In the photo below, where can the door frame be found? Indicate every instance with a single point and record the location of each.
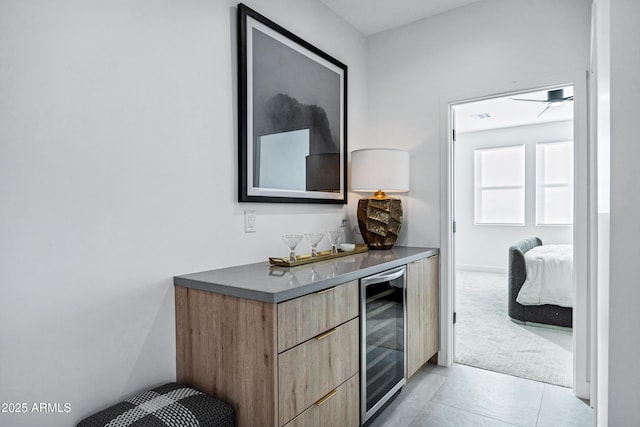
(583, 333)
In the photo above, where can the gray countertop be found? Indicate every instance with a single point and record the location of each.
(272, 284)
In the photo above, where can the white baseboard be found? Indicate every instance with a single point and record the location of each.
(483, 268)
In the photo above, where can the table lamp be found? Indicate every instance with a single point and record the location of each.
(380, 170)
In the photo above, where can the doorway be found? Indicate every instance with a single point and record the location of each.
(513, 180)
(583, 228)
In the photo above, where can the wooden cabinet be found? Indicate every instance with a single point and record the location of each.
(306, 317)
(311, 370)
(422, 312)
(294, 362)
(226, 347)
(338, 408)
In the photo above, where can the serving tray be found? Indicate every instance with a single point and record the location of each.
(324, 255)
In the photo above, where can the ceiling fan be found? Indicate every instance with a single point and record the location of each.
(554, 98)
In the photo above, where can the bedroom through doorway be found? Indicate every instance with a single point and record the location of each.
(514, 230)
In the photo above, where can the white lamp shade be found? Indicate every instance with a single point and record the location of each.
(380, 169)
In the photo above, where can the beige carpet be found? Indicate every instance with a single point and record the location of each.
(485, 336)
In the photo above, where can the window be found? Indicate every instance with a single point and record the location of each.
(499, 185)
(554, 183)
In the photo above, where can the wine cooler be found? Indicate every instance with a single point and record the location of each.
(382, 357)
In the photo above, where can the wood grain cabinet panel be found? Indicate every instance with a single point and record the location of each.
(416, 317)
(230, 356)
(340, 407)
(311, 370)
(432, 273)
(423, 302)
(305, 317)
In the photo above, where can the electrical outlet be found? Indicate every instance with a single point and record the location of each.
(249, 221)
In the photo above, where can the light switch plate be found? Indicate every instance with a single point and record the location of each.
(249, 221)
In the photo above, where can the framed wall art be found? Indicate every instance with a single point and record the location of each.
(292, 100)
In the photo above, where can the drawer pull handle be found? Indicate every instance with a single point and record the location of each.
(324, 291)
(327, 397)
(326, 334)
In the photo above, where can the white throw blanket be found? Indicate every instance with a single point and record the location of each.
(549, 276)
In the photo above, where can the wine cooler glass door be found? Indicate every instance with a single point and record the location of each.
(383, 336)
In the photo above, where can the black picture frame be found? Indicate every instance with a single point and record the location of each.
(292, 117)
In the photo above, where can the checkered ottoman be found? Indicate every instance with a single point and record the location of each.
(170, 405)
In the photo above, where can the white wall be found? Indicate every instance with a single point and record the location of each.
(624, 286)
(489, 44)
(117, 172)
(485, 247)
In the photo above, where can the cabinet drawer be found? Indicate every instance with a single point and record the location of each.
(311, 370)
(338, 408)
(305, 317)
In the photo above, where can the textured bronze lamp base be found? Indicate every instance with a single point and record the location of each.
(380, 221)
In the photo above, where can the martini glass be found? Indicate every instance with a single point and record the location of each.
(334, 238)
(314, 239)
(292, 240)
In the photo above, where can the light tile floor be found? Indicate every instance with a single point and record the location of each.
(462, 396)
